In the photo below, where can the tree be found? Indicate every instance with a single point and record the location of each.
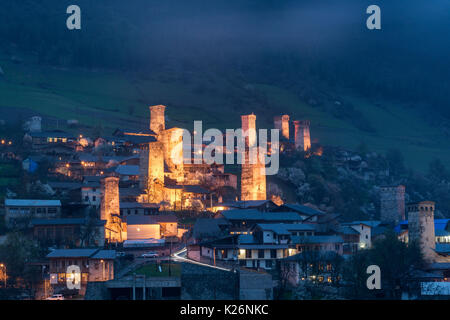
(437, 171)
(395, 162)
(17, 252)
(89, 231)
(396, 261)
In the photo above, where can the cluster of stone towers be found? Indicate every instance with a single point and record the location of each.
(392, 205)
(302, 138)
(253, 175)
(420, 218)
(164, 152)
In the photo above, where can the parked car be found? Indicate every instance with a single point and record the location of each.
(56, 297)
(121, 254)
(150, 254)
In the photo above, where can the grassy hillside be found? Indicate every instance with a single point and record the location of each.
(113, 99)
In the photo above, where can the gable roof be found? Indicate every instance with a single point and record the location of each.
(82, 253)
(347, 230)
(52, 134)
(247, 204)
(32, 203)
(63, 221)
(316, 239)
(302, 209)
(369, 223)
(138, 205)
(285, 228)
(72, 253)
(255, 215)
(127, 170)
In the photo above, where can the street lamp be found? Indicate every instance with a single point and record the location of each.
(4, 272)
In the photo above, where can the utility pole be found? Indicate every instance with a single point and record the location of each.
(143, 289)
(134, 286)
(170, 260)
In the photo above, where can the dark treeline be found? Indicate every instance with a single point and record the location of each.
(294, 44)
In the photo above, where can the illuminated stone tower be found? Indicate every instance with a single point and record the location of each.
(110, 209)
(282, 123)
(253, 177)
(302, 136)
(157, 120)
(151, 170)
(249, 128)
(421, 228)
(172, 140)
(392, 206)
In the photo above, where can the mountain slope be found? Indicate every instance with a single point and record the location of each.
(109, 99)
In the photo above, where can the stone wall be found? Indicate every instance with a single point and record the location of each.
(421, 228)
(157, 118)
(110, 205)
(97, 291)
(253, 182)
(253, 177)
(282, 123)
(205, 283)
(255, 285)
(392, 204)
(172, 140)
(302, 135)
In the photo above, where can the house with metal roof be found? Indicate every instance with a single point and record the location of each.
(19, 212)
(93, 265)
(319, 243)
(260, 205)
(306, 212)
(441, 230)
(79, 232)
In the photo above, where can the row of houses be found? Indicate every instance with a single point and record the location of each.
(262, 235)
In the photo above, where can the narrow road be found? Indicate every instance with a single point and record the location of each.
(180, 256)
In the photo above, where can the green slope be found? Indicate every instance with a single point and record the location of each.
(115, 99)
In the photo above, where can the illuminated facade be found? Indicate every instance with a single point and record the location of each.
(253, 176)
(302, 135)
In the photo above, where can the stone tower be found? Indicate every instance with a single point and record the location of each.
(249, 128)
(392, 204)
(282, 123)
(302, 136)
(253, 182)
(172, 140)
(110, 208)
(253, 177)
(157, 119)
(155, 182)
(151, 170)
(421, 228)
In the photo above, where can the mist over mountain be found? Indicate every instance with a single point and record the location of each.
(285, 42)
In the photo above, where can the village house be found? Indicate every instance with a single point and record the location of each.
(90, 194)
(151, 227)
(96, 265)
(21, 211)
(78, 232)
(242, 221)
(138, 208)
